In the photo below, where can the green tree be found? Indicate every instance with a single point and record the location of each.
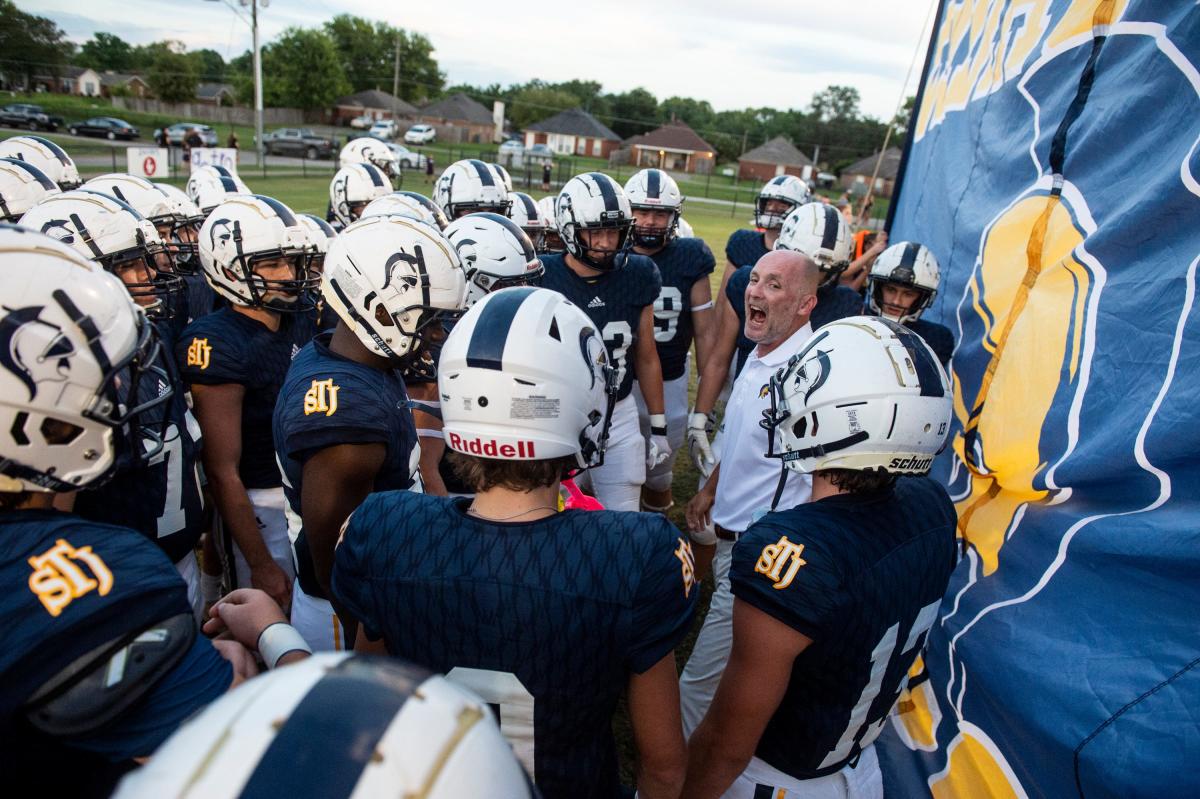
(31, 45)
(538, 102)
(210, 66)
(305, 70)
(145, 55)
(172, 77)
(633, 112)
(838, 103)
(106, 51)
(367, 52)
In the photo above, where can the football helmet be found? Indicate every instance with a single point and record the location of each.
(551, 240)
(22, 186)
(468, 186)
(684, 230)
(247, 231)
(410, 204)
(320, 235)
(209, 185)
(392, 279)
(865, 393)
(353, 187)
(73, 349)
(337, 724)
(821, 233)
(594, 201)
(110, 232)
(525, 376)
(504, 177)
(528, 216)
(46, 156)
(908, 265)
(183, 240)
(654, 190)
(365, 150)
(495, 253)
(788, 189)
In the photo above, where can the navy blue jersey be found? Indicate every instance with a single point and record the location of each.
(201, 299)
(614, 302)
(161, 499)
(938, 337)
(328, 400)
(745, 247)
(73, 586)
(735, 292)
(680, 264)
(547, 618)
(835, 302)
(230, 347)
(862, 576)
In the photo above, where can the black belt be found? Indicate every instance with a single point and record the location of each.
(725, 534)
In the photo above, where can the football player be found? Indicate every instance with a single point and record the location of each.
(528, 215)
(255, 254)
(351, 189)
(365, 150)
(320, 235)
(99, 655)
(181, 242)
(549, 615)
(617, 289)
(833, 598)
(683, 310)
(468, 186)
(408, 203)
(209, 185)
(47, 156)
(342, 424)
(22, 186)
(552, 242)
(776, 199)
(902, 284)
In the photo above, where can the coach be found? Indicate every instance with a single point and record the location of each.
(781, 295)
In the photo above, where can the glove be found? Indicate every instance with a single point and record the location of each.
(660, 448)
(699, 426)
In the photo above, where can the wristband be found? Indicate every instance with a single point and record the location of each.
(279, 639)
(703, 307)
(658, 424)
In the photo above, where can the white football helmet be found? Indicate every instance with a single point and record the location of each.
(337, 724)
(353, 187)
(495, 252)
(365, 150)
(391, 280)
(654, 190)
(527, 214)
(138, 193)
(865, 393)
(410, 204)
(183, 240)
(525, 376)
(320, 235)
(908, 265)
(46, 156)
(684, 230)
(820, 232)
(505, 178)
(22, 186)
(73, 349)
(594, 201)
(787, 189)
(209, 185)
(108, 231)
(249, 230)
(468, 186)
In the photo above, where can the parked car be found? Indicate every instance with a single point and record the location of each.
(300, 142)
(362, 122)
(384, 130)
(105, 127)
(538, 154)
(420, 134)
(512, 147)
(407, 158)
(29, 116)
(176, 132)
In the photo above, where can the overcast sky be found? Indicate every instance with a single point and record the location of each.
(733, 53)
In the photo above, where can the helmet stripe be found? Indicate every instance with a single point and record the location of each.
(829, 234)
(280, 209)
(486, 348)
(604, 184)
(923, 360)
(33, 171)
(653, 187)
(908, 259)
(59, 153)
(485, 174)
(513, 228)
(531, 209)
(222, 170)
(325, 227)
(373, 173)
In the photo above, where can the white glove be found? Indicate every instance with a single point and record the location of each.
(699, 426)
(660, 448)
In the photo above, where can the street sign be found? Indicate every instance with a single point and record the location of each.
(147, 162)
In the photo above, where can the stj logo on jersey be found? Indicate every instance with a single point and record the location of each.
(687, 566)
(198, 353)
(322, 397)
(58, 579)
(780, 562)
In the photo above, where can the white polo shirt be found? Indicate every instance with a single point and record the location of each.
(748, 478)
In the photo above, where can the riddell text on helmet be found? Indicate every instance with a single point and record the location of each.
(490, 448)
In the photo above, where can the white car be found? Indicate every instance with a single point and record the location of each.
(407, 158)
(384, 130)
(362, 122)
(513, 147)
(420, 134)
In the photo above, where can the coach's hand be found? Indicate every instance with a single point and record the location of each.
(268, 577)
(699, 508)
(244, 614)
(699, 426)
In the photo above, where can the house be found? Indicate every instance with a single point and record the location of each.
(777, 157)
(123, 83)
(80, 80)
(373, 103)
(855, 177)
(219, 94)
(573, 132)
(459, 119)
(675, 147)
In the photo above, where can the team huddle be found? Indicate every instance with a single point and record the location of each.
(413, 460)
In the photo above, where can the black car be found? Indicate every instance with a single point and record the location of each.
(107, 127)
(299, 142)
(28, 116)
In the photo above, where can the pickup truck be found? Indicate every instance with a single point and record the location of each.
(299, 142)
(29, 117)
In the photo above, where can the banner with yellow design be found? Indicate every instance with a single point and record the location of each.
(1053, 169)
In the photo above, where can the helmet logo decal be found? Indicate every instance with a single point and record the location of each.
(25, 356)
(417, 259)
(222, 230)
(59, 230)
(813, 373)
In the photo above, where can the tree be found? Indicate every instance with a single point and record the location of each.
(172, 77)
(210, 66)
(31, 45)
(538, 102)
(106, 51)
(836, 103)
(633, 112)
(305, 70)
(367, 53)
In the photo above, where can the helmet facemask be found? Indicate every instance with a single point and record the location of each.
(298, 293)
(766, 219)
(654, 237)
(903, 279)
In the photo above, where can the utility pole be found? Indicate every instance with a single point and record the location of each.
(258, 89)
(816, 155)
(396, 70)
(745, 134)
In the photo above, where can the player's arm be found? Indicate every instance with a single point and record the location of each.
(647, 367)
(730, 268)
(218, 409)
(433, 446)
(336, 481)
(703, 316)
(752, 686)
(856, 273)
(715, 368)
(657, 729)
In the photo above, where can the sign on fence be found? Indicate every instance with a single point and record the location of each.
(147, 162)
(214, 156)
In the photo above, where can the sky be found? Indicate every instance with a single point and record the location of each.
(733, 53)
